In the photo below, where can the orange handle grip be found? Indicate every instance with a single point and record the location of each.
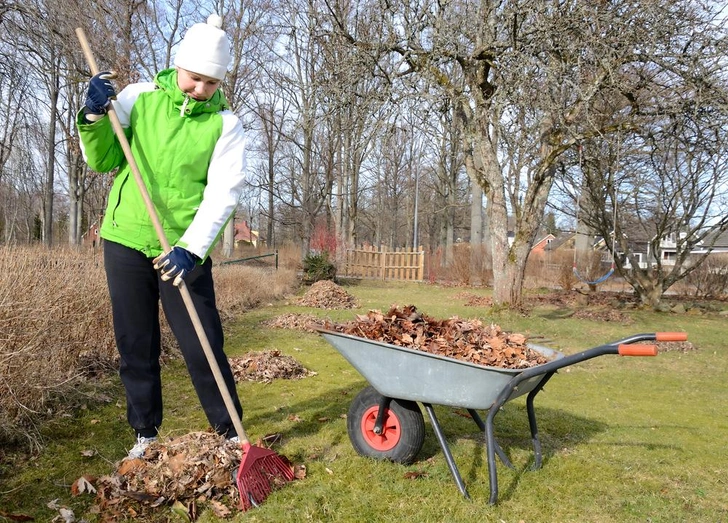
(671, 336)
(637, 350)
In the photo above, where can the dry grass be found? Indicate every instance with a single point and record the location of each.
(54, 323)
(239, 288)
(56, 328)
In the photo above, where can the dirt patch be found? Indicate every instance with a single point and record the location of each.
(466, 340)
(325, 294)
(189, 473)
(266, 366)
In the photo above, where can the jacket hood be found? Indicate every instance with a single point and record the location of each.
(166, 80)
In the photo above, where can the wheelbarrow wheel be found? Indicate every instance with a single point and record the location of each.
(403, 431)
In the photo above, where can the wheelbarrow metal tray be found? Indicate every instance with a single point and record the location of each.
(410, 374)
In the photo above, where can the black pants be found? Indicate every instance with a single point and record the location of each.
(136, 288)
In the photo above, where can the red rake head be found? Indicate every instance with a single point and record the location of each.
(261, 470)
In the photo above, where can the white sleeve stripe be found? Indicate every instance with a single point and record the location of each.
(225, 178)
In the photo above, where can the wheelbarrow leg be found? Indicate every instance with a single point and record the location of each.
(498, 450)
(532, 421)
(384, 403)
(446, 450)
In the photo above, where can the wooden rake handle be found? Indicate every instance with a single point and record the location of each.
(184, 291)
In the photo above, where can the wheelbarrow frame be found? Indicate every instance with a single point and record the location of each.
(501, 386)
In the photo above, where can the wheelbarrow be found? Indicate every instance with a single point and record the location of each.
(385, 422)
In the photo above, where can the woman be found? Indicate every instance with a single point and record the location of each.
(190, 150)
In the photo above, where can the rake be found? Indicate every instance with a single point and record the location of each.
(260, 469)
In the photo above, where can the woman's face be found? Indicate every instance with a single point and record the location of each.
(197, 86)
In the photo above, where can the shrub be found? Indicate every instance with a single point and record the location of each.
(55, 322)
(317, 267)
(239, 288)
(470, 265)
(711, 278)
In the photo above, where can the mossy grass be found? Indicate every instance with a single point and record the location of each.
(624, 439)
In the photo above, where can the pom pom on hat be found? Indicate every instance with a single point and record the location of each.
(205, 49)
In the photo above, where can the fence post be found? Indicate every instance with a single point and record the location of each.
(383, 261)
(421, 264)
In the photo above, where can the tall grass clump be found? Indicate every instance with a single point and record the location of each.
(55, 328)
(239, 288)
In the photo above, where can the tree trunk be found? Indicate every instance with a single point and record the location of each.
(476, 235)
(48, 194)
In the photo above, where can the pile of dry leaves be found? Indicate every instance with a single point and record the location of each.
(266, 366)
(325, 294)
(303, 322)
(603, 315)
(675, 346)
(474, 300)
(467, 340)
(188, 473)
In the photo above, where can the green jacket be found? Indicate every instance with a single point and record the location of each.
(191, 156)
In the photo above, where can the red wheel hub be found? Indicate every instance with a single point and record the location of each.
(391, 430)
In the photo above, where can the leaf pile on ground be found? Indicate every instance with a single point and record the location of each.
(474, 300)
(266, 366)
(303, 322)
(189, 473)
(562, 298)
(675, 346)
(325, 294)
(466, 340)
(603, 315)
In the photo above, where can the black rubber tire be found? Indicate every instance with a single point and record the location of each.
(404, 423)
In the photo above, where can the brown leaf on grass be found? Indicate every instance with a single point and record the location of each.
(84, 484)
(219, 509)
(299, 471)
(414, 474)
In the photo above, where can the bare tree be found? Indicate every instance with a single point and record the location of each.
(533, 74)
(662, 177)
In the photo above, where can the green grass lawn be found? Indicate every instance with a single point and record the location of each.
(624, 439)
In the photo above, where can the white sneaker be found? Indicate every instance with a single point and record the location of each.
(137, 451)
(234, 439)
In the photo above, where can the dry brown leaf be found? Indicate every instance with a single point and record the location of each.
(299, 471)
(219, 509)
(82, 485)
(130, 465)
(414, 474)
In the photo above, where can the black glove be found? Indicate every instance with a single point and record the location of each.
(176, 264)
(100, 92)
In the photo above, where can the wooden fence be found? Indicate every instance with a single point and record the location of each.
(379, 263)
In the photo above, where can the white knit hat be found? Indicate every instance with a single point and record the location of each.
(205, 49)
